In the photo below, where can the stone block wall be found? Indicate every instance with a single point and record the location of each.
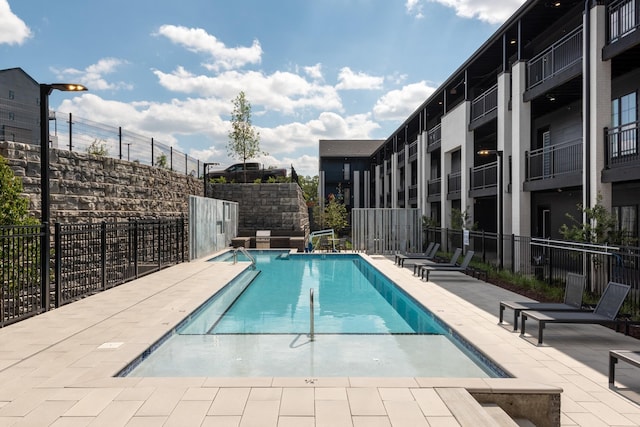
(280, 208)
(89, 188)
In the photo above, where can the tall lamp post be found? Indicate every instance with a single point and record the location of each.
(45, 91)
(205, 167)
(498, 154)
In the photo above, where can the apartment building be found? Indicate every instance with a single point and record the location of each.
(541, 118)
(19, 107)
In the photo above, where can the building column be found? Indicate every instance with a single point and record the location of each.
(378, 187)
(394, 180)
(600, 106)
(356, 189)
(504, 144)
(520, 144)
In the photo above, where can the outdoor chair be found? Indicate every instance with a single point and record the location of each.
(452, 262)
(606, 312)
(406, 254)
(436, 267)
(572, 300)
(427, 255)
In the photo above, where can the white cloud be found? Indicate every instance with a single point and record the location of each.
(347, 80)
(399, 104)
(281, 91)
(199, 41)
(13, 30)
(491, 11)
(93, 76)
(315, 72)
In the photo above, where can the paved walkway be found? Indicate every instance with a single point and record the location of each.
(57, 368)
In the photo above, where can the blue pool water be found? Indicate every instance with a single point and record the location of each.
(259, 324)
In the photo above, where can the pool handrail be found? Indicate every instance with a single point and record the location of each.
(246, 253)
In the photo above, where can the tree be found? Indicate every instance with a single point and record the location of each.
(244, 140)
(161, 161)
(309, 186)
(334, 214)
(14, 208)
(98, 148)
(599, 228)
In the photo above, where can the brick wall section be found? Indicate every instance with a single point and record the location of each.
(88, 188)
(280, 208)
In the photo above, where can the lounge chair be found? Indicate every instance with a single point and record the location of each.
(452, 262)
(435, 267)
(572, 300)
(427, 255)
(404, 255)
(605, 312)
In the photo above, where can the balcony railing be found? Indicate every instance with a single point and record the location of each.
(485, 103)
(454, 183)
(622, 145)
(554, 161)
(623, 19)
(434, 186)
(556, 58)
(401, 158)
(413, 192)
(484, 176)
(413, 149)
(434, 136)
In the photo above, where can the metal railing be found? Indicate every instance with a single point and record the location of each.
(623, 19)
(86, 258)
(554, 161)
(434, 187)
(622, 145)
(555, 59)
(413, 149)
(434, 135)
(484, 176)
(454, 183)
(549, 261)
(485, 103)
(245, 253)
(20, 272)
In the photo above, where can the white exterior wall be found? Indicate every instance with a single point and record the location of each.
(600, 114)
(504, 144)
(456, 137)
(520, 143)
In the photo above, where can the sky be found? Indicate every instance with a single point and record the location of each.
(311, 69)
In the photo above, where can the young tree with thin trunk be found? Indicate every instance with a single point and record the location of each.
(244, 140)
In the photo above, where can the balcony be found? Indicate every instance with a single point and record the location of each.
(401, 158)
(557, 58)
(434, 136)
(621, 150)
(433, 189)
(413, 192)
(484, 180)
(413, 150)
(624, 20)
(454, 185)
(555, 166)
(485, 104)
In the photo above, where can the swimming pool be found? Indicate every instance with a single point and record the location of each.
(259, 325)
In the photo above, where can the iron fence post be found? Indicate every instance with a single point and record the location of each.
(44, 267)
(182, 235)
(103, 255)
(135, 248)
(58, 264)
(513, 253)
(159, 240)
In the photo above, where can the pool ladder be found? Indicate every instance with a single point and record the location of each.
(246, 253)
(311, 326)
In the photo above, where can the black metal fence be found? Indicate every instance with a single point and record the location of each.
(550, 260)
(86, 258)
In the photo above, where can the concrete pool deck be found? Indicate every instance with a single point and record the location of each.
(57, 368)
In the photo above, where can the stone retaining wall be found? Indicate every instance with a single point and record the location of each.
(89, 188)
(280, 208)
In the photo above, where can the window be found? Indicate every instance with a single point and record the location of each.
(626, 219)
(624, 116)
(346, 172)
(12, 95)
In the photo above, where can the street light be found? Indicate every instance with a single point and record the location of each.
(45, 91)
(498, 154)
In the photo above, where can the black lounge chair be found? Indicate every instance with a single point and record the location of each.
(427, 255)
(435, 267)
(572, 300)
(606, 312)
(404, 255)
(452, 262)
